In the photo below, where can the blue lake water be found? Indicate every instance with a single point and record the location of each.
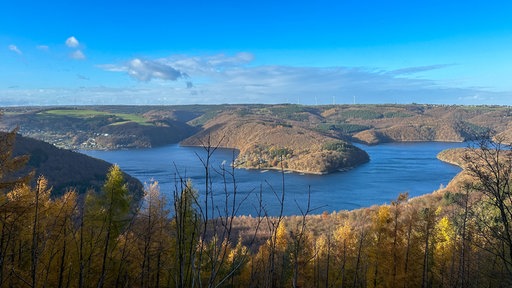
(393, 168)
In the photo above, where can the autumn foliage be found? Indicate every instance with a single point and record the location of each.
(455, 237)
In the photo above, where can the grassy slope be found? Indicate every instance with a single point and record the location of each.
(86, 113)
(99, 127)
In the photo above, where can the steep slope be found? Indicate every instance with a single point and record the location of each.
(64, 168)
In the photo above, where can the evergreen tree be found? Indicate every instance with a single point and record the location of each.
(9, 164)
(113, 207)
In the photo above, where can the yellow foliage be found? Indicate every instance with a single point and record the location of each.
(445, 232)
(383, 216)
(445, 236)
(343, 233)
(281, 236)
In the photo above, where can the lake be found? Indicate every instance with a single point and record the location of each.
(393, 168)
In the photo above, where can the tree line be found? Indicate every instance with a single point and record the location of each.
(460, 237)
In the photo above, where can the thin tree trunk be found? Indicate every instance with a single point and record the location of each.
(328, 260)
(407, 253)
(2, 251)
(81, 250)
(101, 281)
(35, 236)
(344, 262)
(360, 247)
(376, 269)
(395, 247)
(424, 282)
(462, 260)
(63, 257)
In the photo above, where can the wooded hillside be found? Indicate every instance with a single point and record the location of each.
(458, 236)
(309, 139)
(65, 169)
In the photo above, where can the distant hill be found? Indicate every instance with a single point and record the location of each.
(67, 169)
(309, 139)
(101, 128)
(267, 142)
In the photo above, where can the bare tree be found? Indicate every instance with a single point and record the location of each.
(204, 224)
(490, 162)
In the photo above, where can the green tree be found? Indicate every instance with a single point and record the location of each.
(112, 209)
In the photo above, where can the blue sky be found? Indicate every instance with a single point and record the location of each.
(204, 52)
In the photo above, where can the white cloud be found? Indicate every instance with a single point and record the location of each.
(78, 55)
(229, 79)
(15, 49)
(146, 70)
(175, 67)
(72, 42)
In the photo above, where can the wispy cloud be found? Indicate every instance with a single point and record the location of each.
(78, 55)
(156, 95)
(43, 47)
(208, 64)
(418, 69)
(15, 49)
(72, 42)
(230, 79)
(224, 78)
(82, 77)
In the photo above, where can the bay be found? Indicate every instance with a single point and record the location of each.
(393, 168)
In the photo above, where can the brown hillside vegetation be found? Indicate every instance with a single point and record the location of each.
(309, 139)
(434, 123)
(370, 124)
(267, 142)
(455, 237)
(158, 125)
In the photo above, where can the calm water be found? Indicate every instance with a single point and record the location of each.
(393, 168)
